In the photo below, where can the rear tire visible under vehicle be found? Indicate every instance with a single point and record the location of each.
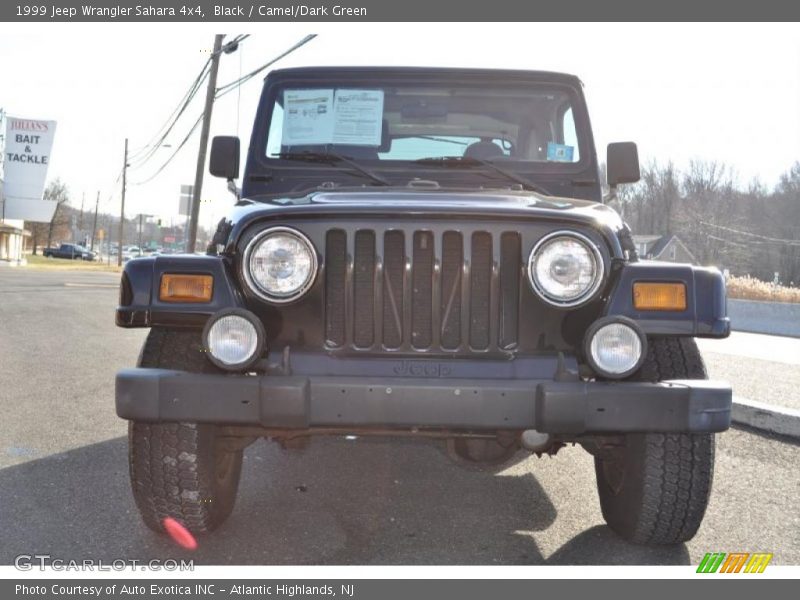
(654, 489)
(181, 470)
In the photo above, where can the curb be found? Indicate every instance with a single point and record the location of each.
(766, 417)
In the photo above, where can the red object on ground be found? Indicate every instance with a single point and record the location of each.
(180, 535)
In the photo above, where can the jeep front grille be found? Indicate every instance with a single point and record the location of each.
(418, 291)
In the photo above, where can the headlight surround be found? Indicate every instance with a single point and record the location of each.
(280, 264)
(234, 339)
(615, 347)
(565, 268)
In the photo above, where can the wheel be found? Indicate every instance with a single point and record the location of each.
(181, 470)
(655, 487)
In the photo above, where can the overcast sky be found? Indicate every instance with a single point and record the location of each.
(729, 93)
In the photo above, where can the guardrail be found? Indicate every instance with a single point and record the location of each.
(776, 318)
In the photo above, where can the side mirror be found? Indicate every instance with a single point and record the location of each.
(224, 161)
(622, 163)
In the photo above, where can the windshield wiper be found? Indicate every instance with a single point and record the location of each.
(333, 158)
(447, 161)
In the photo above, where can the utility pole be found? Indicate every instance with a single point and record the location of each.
(94, 226)
(201, 155)
(122, 210)
(80, 221)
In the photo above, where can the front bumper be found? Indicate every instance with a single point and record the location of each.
(342, 402)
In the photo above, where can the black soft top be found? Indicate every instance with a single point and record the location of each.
(437, 73)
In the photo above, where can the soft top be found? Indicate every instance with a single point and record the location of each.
(439, 73)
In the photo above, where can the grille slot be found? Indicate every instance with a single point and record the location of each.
(452, 266)
(510, 276)
(335, 274)
(393, 267)
(364, 289)
(480, 282)
(421, 290)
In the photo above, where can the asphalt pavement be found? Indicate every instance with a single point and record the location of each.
(64, 487)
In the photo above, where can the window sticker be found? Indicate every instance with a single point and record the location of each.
(307, 117)
(358, 116)
(559, 152)
(349, 117)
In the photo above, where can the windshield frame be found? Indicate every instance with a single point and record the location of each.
(580, 117)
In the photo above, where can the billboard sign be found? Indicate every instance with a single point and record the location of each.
(26, 157)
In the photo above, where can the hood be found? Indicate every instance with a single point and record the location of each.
(448, 203)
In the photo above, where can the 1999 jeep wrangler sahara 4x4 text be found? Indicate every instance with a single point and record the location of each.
(424, 252)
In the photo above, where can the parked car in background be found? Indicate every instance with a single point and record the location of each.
(129, 252)
(70, 251)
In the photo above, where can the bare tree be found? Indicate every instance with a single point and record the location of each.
(57, 192)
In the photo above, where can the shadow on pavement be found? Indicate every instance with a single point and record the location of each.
(338, 502)
(601, 546)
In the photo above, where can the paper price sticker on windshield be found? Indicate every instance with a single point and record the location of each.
(358, 116)
(307, 117)
(348, 117)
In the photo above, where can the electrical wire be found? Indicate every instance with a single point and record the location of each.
(139, 158)
(753, 235)
(178, 149)
(229, 87)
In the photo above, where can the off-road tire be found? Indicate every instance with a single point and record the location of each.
(655, 488)
(181, 470)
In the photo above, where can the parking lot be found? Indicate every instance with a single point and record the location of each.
(64, 484)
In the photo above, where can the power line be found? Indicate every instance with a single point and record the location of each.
(178, 149)
(176, 115)
(753, 235)
(228, 87)
(150, 149)
(172, 120)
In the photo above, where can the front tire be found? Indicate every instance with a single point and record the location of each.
(654, 488)
(181, 470)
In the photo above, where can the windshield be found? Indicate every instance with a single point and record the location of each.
(526, 125)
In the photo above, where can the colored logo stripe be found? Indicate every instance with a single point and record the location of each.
(758, 562)
(734, 562)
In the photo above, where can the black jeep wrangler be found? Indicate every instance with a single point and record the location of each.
(424, 252)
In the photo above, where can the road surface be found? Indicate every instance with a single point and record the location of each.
(64, 485)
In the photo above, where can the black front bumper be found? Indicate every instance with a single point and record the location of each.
(302, 402)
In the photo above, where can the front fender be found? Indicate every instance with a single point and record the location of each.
(139, 305)
(706, 313)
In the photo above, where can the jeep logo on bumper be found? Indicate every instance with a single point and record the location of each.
(421, 368)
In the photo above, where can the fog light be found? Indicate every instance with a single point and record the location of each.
(615, 347)
(234, 339)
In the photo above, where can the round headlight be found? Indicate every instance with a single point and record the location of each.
(615, 348)
(280, 264)
(565, 268)
(234, 338)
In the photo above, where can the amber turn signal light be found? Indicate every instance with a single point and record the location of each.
(659, 296)
(186, 288)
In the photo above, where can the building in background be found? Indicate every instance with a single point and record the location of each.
(12, 237)
(663, 247)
